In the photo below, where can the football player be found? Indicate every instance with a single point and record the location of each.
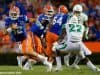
(15, 25)
(75, 30)
(55, 30)
(41, 27)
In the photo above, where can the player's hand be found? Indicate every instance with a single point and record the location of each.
(31, 20)
(45, 22)
(9, 30)
(55, 44)
(86, 37)
(14, 26)
(86, 33)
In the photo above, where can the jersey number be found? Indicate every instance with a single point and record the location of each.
(18, 30)
(59, 21)
(74, 28)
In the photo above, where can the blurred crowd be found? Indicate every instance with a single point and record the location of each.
(32, 8)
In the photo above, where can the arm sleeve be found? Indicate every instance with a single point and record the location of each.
(34, 28)
(65, 19)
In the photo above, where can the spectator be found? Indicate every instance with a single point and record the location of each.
(97, 9)
(15, 3)
(30, 11)
(91, 7)
(91, 20)
(2, 11)
(95, 31)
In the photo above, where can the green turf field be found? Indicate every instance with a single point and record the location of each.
(41, 70)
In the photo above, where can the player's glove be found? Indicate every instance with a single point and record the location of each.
(86, 33)
(9, 30)
(45, 22)
(55, 44)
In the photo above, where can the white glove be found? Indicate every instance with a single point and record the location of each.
(86, 33)
(55, 44)
(9, 30)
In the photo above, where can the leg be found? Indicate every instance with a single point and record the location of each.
(59, 50)
(58, 62)
(66, 59)
(76, 61)
(19, 58)
(88, 62)
(51, 38)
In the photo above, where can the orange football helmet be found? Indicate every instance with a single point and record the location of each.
(14, 13)
(49, 10)
(62, 9)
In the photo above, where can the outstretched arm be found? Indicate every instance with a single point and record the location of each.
(86, 30)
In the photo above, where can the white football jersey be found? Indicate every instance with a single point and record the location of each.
(74, 29)
(82, 18)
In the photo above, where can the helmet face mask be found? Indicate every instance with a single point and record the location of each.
(77, 13)
(14, 16)
(50, 13)
(14, 13)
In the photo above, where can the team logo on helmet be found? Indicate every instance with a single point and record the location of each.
(62, 9)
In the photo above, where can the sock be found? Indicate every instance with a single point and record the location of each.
(27, 65)
(19, 60)
(43, 59)
(24, 61)
(91, 65)
(58, 61)
(66, 59)
(77, 59)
